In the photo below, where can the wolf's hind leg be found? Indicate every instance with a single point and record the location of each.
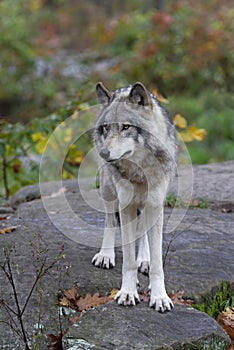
(106, 257)
(143, 256)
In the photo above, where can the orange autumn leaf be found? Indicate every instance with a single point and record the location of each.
(7, 229)
(159, 96)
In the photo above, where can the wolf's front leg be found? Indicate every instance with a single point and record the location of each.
(128, 294)
(158, 295)
(106, 257)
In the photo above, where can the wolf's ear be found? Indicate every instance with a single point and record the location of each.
(104, 95)
(140, 95)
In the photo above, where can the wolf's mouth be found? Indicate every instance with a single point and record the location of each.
(121, 157)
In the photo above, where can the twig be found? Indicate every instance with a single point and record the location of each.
(5, 180)
(10, 277)
(39, 275)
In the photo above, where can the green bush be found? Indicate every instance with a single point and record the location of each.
(16, 49)
(213, 111)
(21, 147)
(186, 48)
(220, 298)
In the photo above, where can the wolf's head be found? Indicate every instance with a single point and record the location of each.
(118, 130)
(132, 124)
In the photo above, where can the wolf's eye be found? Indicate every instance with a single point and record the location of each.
(125, 126)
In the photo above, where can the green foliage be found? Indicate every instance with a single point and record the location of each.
(174, 201)
(21, 147)
(213, 111)
(16, 52)
(219, 301)
(187, 47)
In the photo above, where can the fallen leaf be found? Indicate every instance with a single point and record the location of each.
(229, 312)
(90, 301)
(144, 296)
(56, 341)
(74, 300)
(7, 229)
(70, 298)
(226, 320)
(3, 217)
(177, 298)
(113, 294)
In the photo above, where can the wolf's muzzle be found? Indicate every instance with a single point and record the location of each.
(105, 153)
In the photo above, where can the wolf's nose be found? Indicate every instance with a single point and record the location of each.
(105, 153)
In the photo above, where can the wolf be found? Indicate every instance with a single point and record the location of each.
(137, 149)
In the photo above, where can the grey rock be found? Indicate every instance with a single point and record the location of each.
(141, 328)
(198, 255)
(212, 182)
(6, 210)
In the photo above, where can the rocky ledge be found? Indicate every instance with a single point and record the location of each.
(198, 256)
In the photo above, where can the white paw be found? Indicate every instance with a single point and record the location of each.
(143, 267)
(124, 297)
(161, 303)
(103, 261)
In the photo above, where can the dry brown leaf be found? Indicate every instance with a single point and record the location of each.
(177, 298)
(7, 230)
(229, 312)
(91, 301)
(144, 296)
(231, 347)
(74, 300)
(4, 217)
(226, 320)
(56, 341)
(70, 298)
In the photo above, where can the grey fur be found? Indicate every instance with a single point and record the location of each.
(137, 145)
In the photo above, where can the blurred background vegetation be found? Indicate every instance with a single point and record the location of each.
(52, 52)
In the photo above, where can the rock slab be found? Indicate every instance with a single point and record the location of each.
(141, 328)
(198, 255)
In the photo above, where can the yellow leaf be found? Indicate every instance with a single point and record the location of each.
(197, 134)
(185, 136)
(159, 96)
(75, 115)
(36, 137)
(113, 294)
(75, 156)
(180, 121)
(68, 135)
(40, 142)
